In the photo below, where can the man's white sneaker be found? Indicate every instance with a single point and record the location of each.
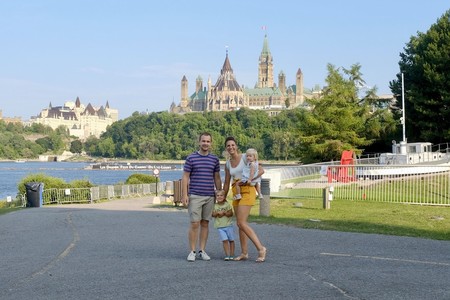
(202, 255)
(191, 256)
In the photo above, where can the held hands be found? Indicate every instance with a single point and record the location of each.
(219, 214)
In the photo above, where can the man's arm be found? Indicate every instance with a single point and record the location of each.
(217, 180)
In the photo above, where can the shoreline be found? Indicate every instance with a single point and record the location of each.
(136, 161)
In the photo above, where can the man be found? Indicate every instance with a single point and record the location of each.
(201, 177)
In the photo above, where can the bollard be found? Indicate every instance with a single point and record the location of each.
(264, 204)
(177, 192)
(326, 198)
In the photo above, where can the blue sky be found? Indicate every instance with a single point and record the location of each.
(134, 53)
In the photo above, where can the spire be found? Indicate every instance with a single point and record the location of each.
(265, 51)
(226, 65)
(265, 68)
(226, 79)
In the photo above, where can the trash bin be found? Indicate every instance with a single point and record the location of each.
(34, 194)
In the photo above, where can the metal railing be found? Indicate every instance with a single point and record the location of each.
(19, 201)
(414, 184)
(97, 193)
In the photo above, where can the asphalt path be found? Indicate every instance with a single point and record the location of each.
(125, 249)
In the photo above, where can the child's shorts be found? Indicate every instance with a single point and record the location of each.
(226, 233)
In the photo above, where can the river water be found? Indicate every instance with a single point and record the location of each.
(11, 173)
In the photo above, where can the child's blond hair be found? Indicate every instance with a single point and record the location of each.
(253, 152)
(220, 192)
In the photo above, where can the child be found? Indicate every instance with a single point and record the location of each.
(222, 213)
(248, 174)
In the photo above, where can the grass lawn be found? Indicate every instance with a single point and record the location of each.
(8, 210)
(430, 222)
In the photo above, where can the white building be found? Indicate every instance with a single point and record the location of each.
(82, 121)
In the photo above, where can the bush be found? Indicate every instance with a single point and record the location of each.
(48, 181)
(81, 183)
(141, 178)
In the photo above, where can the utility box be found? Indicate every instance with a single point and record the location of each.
(264, 204)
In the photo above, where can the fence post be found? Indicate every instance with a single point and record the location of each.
(326, 198)
(264, 204)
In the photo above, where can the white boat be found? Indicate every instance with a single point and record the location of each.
(416, 153)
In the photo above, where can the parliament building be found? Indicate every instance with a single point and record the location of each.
(227, 94)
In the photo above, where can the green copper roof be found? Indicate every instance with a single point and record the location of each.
(260, 92)
(265, 49)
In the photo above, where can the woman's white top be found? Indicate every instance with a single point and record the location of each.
(236, 173)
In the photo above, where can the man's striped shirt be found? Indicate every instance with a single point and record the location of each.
(202, 169)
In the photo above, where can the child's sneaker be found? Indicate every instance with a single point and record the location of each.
(237, 197)
(227, 258)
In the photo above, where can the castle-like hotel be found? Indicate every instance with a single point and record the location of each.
(227, 94)
(81, 121)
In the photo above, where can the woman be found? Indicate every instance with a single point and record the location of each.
(242, 207)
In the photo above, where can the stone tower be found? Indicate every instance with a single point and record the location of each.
(265, 69)
(198, 84)
(184, 92)
(299, 91)
(282, 82)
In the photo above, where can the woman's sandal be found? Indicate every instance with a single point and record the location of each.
(241, 257)
(262, 255)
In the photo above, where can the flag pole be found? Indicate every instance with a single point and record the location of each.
(403, 110)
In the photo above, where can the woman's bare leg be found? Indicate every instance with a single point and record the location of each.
(242, 213)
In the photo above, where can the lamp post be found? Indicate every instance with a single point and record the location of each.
(156, 174)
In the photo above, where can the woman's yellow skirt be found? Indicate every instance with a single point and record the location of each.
(248, 194)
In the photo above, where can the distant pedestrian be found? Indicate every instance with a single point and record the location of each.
(223, 213)
(201, 176)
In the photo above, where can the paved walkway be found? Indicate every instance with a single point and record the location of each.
(125, 249)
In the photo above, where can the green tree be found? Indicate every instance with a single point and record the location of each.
(338, 119)
(91, 145)
(57, 144)
(425, 64)
(106, 147)
(76, 146)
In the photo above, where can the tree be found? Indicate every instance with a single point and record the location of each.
(425, 64)
(339, 120)
(76, 146)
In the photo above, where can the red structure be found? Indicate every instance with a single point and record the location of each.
(345, 172)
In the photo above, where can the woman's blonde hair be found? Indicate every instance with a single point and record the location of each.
(253, 152)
